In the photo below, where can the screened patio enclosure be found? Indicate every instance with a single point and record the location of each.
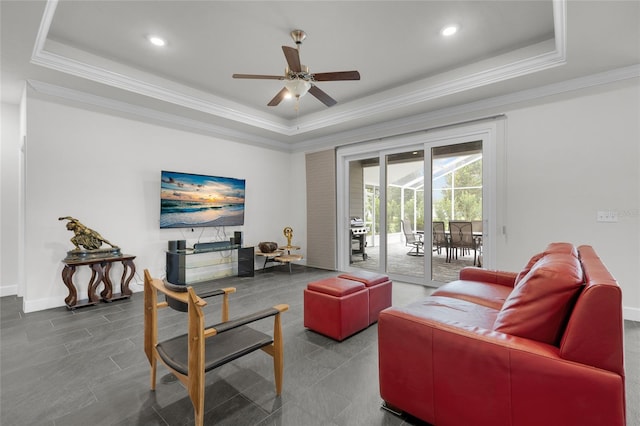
(456, 195)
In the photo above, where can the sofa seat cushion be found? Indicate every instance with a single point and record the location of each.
(485, 294)
(539, 305)
(446, 311)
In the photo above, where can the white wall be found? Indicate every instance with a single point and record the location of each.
(105, 171)
(566, 158)
(9, 172)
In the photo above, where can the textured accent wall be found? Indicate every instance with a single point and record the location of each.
(321, 209)
(356, 190)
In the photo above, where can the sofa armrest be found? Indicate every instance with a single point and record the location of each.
(488, 276)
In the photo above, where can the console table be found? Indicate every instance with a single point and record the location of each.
(100, 273)
(191, 266)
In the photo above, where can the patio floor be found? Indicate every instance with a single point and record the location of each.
(399, 262)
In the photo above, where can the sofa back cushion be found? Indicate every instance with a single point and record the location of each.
(539, 305)
(558, 248)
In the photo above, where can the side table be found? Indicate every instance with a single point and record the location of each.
(100, 273)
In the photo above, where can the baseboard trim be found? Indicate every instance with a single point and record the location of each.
(8, 290)
(42, 304)
(631, 314)
(58, 301)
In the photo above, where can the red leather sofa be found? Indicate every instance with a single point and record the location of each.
(540, 347)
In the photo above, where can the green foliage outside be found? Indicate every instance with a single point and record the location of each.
(467, 204)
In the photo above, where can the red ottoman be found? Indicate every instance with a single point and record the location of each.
(379, 287)
(336, 307)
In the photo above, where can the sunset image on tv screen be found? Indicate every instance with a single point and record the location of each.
(190, 200)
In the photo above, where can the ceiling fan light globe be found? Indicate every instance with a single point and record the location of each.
(297, 87)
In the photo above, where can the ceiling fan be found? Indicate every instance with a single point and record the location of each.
(298, 79)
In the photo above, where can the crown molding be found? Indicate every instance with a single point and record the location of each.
(536, 63)
(483, 78)
(422, 122)
(381, 130)
(366, 107)
(129, 110)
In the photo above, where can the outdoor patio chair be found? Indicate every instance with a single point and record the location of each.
(412, 239)
(439, 237)
(461, 237)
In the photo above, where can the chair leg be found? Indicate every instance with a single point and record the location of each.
(154, 363)
(278, 354)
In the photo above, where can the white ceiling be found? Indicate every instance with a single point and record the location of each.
(96, 52)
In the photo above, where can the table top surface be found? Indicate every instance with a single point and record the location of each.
(272, 253)
(91, 260)
(289, 257)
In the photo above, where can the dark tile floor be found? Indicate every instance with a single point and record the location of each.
(60, 367)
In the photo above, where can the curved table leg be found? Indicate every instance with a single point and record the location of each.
(125, 280)
(96, 278)
(107, 293)
(67, 278)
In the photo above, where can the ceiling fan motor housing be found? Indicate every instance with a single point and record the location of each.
(298, 36)
(302, 75)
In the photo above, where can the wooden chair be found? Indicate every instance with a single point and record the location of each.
(190, 356)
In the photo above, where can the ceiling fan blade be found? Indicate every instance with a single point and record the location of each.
(279, 97)
(336, 76)
(293, 58)
(322, 96)
(258, 76)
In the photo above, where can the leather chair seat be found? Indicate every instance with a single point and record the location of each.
(219, 349)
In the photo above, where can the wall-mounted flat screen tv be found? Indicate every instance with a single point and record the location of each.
(190, 200)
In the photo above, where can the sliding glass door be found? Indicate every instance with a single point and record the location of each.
(456, 206)
(418, 212)
(364, 213)
(405, 214)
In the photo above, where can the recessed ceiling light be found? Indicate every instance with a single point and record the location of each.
(449, 30)
(157, 41)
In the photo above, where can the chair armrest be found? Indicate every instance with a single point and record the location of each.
(488, 276)
(217, 292)
(247, 319)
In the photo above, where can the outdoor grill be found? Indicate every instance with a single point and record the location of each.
(358, 238)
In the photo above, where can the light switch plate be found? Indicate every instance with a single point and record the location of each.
(607, 216)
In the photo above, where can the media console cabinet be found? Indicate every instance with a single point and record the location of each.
(209, 261)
